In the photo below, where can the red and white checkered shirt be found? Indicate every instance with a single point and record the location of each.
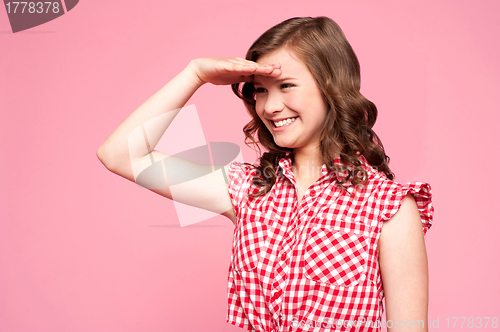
(312, 266)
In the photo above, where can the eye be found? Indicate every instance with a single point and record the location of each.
(260, 90)
(286, 85)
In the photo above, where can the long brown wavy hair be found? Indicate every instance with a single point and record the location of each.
(320, 43)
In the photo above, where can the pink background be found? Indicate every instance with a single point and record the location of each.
(82, 249)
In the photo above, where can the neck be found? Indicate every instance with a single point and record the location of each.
(307, 163)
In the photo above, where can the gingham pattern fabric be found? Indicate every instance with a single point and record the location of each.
(313, 265)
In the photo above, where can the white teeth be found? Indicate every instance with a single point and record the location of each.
(284, 122)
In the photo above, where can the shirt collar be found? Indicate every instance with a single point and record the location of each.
(285, 164)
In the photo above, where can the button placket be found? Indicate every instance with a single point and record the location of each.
(282, 320)
(276, 293)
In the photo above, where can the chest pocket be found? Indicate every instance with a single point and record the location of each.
(336, 256)
(250, 240)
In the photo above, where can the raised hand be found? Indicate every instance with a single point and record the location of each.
(223, 71)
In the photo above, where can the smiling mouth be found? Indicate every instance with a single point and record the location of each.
(282, 123)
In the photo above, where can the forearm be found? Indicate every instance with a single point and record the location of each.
(125, 142)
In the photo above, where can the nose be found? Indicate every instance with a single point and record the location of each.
(273, 103)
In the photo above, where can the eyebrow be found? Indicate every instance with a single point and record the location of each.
(277, 81)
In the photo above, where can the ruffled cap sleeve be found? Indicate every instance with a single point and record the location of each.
(422, 193)
(240, 177)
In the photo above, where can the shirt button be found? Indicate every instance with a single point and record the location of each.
(276, 295)
(313, 192)
(283, 256)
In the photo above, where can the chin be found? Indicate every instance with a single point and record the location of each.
(284, 145)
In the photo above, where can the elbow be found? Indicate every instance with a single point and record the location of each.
(100, 154)
(103, 157)
(113, 161)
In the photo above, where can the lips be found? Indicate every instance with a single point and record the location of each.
(273, 121)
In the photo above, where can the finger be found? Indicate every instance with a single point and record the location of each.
(275, 73)
(245, 61)
(267, 71)
(249, 66)
(237, 67)
(270, 65)
(258, 65)
(247, 70)
(241, 60)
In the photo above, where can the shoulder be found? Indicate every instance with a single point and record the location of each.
(239, 180)
(405, 225)
(390, 196)
(239, 172)
(406, 219)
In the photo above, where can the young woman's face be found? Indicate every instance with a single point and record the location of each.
(292, 98)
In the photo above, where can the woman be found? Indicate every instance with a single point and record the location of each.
(322, 232)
